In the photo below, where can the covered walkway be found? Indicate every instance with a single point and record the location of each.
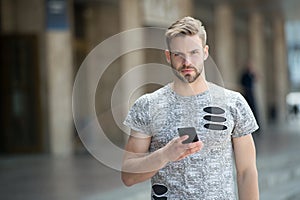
(83, 177)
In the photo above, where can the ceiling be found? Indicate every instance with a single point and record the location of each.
(290, 8)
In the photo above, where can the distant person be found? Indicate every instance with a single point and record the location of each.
(295, 109)
(201, 169)
(248, 79)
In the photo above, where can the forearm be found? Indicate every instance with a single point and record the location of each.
(248, 185)
(142, 168)
(130, 179)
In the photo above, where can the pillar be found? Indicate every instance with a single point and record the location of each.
(130, 18)
(257, 48)
(280, 67)
(59, 75)
(224, 36)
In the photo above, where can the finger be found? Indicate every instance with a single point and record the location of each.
(183, 138)
(189, 152)
(194, 150)
(194, 145)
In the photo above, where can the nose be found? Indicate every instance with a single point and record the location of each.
(186, 61)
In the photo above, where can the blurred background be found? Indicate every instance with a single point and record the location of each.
(44, 42)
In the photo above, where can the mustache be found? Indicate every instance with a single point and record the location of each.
(187, 67)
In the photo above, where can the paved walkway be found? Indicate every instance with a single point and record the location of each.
(42, 177)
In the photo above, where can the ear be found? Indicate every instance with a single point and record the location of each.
(206, 52)
(168, 56)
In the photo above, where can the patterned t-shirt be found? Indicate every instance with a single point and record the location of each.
(218, 115)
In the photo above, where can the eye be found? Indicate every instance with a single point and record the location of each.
(194, 52)
(177, 54)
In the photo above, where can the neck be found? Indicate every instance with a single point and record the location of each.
(190, 89)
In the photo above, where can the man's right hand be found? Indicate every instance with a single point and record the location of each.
(139, 165)
(175, 150)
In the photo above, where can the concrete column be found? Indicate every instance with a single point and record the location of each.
(164, 12)
(281, 68)
(185, 7)
(98, 33)
(59, 63)
(224, 36)
(258, 60)
(59, 76)
(130, 18)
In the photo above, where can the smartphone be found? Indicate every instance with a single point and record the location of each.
(191, 132)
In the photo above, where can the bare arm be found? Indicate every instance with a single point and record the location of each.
(245, 158)
(139, 165)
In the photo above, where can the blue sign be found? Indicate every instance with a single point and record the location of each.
(57, 15)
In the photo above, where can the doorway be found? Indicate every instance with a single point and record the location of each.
(20, 99)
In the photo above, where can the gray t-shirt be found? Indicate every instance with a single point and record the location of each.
(218, 115)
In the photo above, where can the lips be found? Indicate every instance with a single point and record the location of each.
(189, 70)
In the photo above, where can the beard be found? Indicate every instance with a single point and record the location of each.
(187, 78)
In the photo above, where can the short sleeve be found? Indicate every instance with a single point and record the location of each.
(245, 122)
(138, 117)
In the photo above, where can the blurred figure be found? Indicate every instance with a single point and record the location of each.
(293, 103)
(248, 79)
(295, 110)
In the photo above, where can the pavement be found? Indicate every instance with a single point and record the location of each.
(82, 177)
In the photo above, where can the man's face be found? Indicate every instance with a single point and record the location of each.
(186, 56)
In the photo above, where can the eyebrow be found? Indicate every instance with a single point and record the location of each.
(179, 52)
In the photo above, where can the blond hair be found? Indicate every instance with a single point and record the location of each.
(186, 26)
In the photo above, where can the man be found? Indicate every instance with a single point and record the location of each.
(222, 119)
(248, 79)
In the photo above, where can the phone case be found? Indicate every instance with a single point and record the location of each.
(191, 132)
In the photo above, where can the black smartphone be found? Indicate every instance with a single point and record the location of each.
(191, 132)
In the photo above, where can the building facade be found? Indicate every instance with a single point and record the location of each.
(45, 43)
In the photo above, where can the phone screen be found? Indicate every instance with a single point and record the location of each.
(191, 132)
